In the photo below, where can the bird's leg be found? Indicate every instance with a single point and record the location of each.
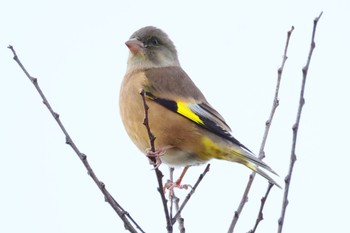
(170, 185)
(178, 181)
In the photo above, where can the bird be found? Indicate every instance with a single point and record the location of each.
(188, 130)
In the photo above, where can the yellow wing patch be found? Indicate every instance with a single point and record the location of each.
(183, 109)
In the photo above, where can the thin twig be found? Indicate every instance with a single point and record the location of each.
(276, 97)
(266, 132)
(124, 215)
(189, 195)
(262, 204)
(180, 220)
(174, 201)
(159, 175)
(295, 127)
(171, 197)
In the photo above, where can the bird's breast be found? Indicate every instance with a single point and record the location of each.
(181, 137)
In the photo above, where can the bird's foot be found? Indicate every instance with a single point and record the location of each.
(170, 185)
(156, 155)
(159, 152)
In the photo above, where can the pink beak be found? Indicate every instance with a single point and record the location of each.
(134, 45)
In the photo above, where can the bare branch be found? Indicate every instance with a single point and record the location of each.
(267, 129)
(295, 127)
(124, 215)
(262, 204)
(172, 197)
(159, 175)
(174, 201)
(276, 98)
(189, 195)
(180, 220)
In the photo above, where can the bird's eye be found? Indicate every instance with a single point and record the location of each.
(153, 41)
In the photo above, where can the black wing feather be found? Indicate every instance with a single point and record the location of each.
(208, 123)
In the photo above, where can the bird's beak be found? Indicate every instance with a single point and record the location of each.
(134, 45)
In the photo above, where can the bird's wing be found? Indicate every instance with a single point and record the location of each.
(173, 89)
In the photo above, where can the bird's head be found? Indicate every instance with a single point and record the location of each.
(150, 47)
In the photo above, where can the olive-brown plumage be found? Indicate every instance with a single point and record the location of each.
(185, 125)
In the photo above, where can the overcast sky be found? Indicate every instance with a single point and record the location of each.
(232, 51)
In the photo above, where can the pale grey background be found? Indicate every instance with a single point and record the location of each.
(232, 51)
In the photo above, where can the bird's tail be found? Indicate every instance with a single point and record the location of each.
(238, 154)
(248, 159)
